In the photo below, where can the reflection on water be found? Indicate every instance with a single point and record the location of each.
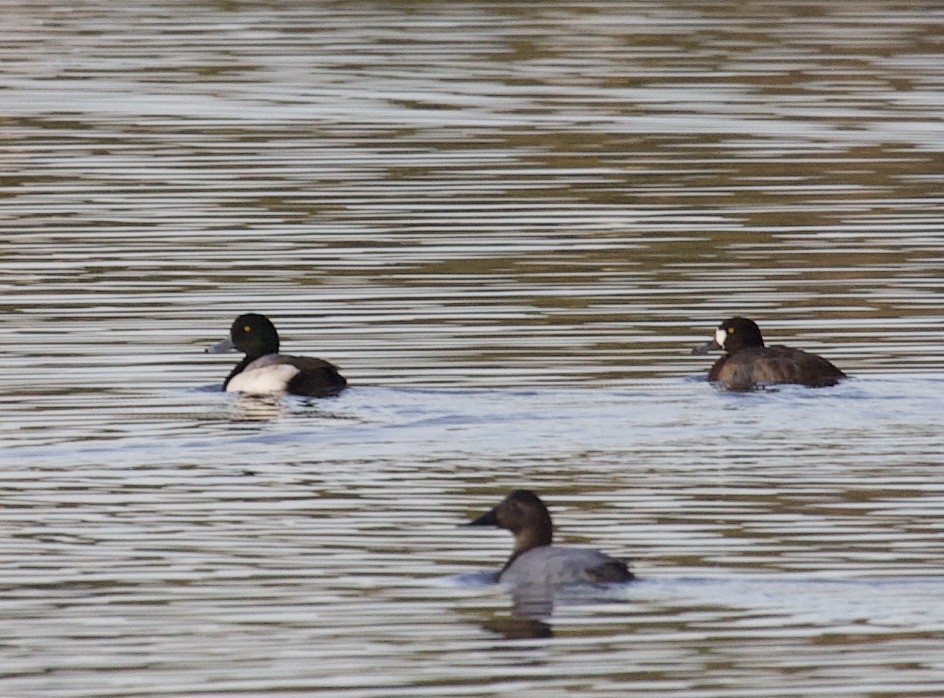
(507, 223)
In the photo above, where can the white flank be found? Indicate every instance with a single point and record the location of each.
(260, 381)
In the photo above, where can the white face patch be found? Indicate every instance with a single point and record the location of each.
(262, 381)
(721, 336)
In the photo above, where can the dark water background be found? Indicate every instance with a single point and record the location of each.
(508, 223)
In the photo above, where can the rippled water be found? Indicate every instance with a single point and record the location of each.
(508, 223)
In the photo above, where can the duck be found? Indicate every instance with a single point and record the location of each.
(263, 370)
(748, 363)
(535, 561)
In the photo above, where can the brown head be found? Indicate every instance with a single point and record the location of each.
(733, 335)
(525, 515)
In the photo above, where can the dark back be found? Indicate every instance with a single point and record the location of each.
(748, 367)
(317, 378)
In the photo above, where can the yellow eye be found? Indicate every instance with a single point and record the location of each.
(730, 330)
(247, 328)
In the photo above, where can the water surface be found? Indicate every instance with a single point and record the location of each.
(508, 224)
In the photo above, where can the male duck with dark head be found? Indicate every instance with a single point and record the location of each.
(263, 370)
(535, 561)
(748, 363)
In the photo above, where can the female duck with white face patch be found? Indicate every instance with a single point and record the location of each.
(748, 363)
(263, 370)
